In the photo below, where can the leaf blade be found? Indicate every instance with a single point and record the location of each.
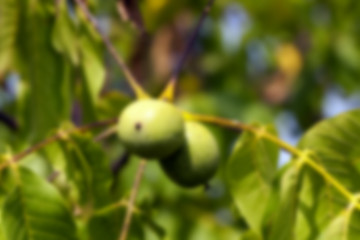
(250, 172)
(320, 204)
(29, 212)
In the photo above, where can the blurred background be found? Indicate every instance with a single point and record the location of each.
(285, 62)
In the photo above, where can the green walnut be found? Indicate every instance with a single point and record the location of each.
(151, 128)
(197, 160)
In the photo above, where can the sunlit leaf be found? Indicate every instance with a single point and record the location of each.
(332, 142)
(318, 203)
(344, 227)
(284, 221)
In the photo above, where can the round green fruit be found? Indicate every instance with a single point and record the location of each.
(197, 160)
(151, 128)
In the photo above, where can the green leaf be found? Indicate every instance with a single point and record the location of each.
(88, 169)
(347, 51)
(344, 227)
(43, 71)
(332, 142)
(109, 225)
(65, 36)
(100, 226)
(284, 220)
(36, 211)
(318, 204)
(250, 173)
(92, 66)
(2, 236)
(88, 178)
(249, 235)
(9, 17)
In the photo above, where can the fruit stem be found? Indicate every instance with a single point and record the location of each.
(130, 78)
(233, 124)
(131, 203)
(169, 92)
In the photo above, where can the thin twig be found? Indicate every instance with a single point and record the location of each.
(59, 135)
(192, 41)
(123, 203)
(130, 207)
(96, 125)
(106, 133)
(140, 93)
(170, 88)
(111, 208)
(36, 147)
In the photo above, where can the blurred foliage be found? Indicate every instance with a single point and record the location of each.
(254, 61)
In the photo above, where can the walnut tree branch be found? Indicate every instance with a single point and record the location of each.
(171, 86)
(59, 135)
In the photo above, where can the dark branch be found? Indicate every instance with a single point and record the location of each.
(170, 90)
(191, 42)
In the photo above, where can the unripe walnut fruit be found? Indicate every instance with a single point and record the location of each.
(197, 160)
(151, 128)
